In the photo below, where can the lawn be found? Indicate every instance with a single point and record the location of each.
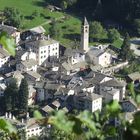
(70, 27)
(27, 7)
(118, 43)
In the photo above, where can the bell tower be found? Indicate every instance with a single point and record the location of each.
(85, 35)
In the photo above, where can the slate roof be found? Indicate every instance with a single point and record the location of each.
(131, 101)
(95, 77)
(33, 74)
(114, 82)
(88, 96)
(3, 53)
(95, 52)
(19, 53)
(15, 74)
(31, 123)
(47, 109)
(85, 22)
(134, 76)
(8, 29)
(69, 66)
(38, 29)
(29, 63)
(52, 86)
(56, 103)
(70, 52)
(42, 42)
(111, 91)
(39, 84)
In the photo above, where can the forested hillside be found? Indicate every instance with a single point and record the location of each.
(115, 9)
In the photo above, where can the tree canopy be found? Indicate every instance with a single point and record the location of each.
(113, 35)
(12, 17)
(96, 30)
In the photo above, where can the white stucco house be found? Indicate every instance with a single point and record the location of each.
(2, 89)
(88, 101)
(110, 94)
(115, 84)
(27, 65)
(4, 57)
(11, 31)
(45, 49)
(98, 56)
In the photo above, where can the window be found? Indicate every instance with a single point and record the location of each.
(41, 56)
(41, 51)
(44, 56)
(44, 51)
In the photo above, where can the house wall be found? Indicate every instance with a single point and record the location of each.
(47, 51)
(104, 59)
(128, 107)
(22, 68)
(77, 58)
(33, 131)
(3, 61)
(40, 94)
(16, 36)
(97, 104)
(89, 89)
(29, 77)
(85, 104)
(110, 97)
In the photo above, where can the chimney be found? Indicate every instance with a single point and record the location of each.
(10, 115)
(2, 23)
(22, 120)
(27, 115)
(93, 74)
(48, 37)
(13, 117)
(6, 115)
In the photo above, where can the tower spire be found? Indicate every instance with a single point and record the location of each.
(85, 35)
(85, 21)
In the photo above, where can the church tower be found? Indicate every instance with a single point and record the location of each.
(85, 35)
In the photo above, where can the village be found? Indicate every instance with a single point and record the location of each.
(62, 78)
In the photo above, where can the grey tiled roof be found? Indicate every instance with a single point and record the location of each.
(114, 82)
(8, 29)
(134, 76)
(70, 52)
(42, 42)
(29, 63)
(88, 96)
(33, 74)
(38, 29)
(95, 77)
(3, 53)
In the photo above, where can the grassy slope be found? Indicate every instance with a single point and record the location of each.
(70, 27)
(27, 7)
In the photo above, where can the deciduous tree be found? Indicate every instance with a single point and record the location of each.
(113, 35)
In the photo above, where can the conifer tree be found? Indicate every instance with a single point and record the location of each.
(10, 96)
(23, 96)
(126, 53)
